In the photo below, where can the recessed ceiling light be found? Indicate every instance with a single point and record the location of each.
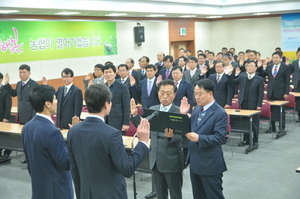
(116, 14)
(188, 16)
(261, 13)
(67, 13)
(8, 11)
(156, 15)
(213, 17)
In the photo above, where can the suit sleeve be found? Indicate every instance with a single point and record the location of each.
(230, 91)
(218, 135)
(7, 106)
(124, 163)
(287, 81)
(57, 150)
(10, 90)
(73, 167)
(260, 93)
(126, 106)
(78, 103)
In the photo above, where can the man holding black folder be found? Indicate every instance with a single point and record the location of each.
(166, 154)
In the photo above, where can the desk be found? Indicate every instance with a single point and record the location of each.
(279, 104)
(241, 121)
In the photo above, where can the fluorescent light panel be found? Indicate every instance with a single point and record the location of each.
(156, 15)
(8, 11)
(67, 13)
(213, 17)
(116, 14)
(188, 16)
(261, 13)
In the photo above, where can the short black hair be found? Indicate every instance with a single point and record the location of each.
(206, 84)
(166, 82)
(248, 50)
(298, 50)
(181, 49)
(95, 97)
(168, 57)
(39, 95)
(192, 58)
(220, 53)
(67, 71)
(24, 66)
(183, 57)
(151, 66)
(252, 62)
(258, 53)
(224, 48)
(277, 53)
(147, 59)
(188, 51)
(108, 66)
(217, 62)
(203, 55)
(177, 67)
(199, 51)
(123, 65)
(241, 52)
(99, 66)
(131, 60)
(231, 53)
(212, 53)
(1, 76)
(227, 55)
(278, 48)
(108, 62)
(253, 51)
(232, 49)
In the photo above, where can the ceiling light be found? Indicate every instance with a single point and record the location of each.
(213, 17)
(67, 13)
(156, 15)
(8, 11)
(188, 16)
(261, 13)
(116, 14)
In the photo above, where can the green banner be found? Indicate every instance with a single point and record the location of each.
(44, 40)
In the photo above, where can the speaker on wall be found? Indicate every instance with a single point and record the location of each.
(139, 35)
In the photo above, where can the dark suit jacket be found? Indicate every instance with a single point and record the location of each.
(68, 106)
(120, 110)
(99, 161)
(206, 156)
(185, 89)
(192, 80)
(141, 90)
(47, 160)
(159, 67)
(256, 91)
(25, 111)
(223, 90)
(166, 153)
(5, 104)
(163, 73)
(281, 84)
(139, 76)
(134, 74)
(295, 70)
(131, 93)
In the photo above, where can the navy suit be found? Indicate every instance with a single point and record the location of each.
(206, 156)
(99, 161)
(134, 74)
(159, 66)
(163, 73)
(223, 89)
(120, 109)
(68, 106)
(141, 90)
(25, 111)
(185, 89)
(47, 160)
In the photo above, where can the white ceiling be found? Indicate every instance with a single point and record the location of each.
(141, 8)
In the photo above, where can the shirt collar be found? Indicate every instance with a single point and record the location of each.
(167, 107)
(45, 116)
(178, 82)
(69, 86)
(25, 82)
(208, 105)
(96, 116)
(151, 79)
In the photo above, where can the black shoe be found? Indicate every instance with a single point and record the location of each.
(298, 121)
(269, 131)
(23, 162)
(6, 155)
(243, 143)
(255, 145)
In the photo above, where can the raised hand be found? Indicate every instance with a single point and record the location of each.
(6, 78)
(259, 63)
(204, 70)
(287, 61)
(44, 81)
(132, 80)
(237, 70)
(133, 108)
(159, 78)
(143, 131)
(90, 83)
(75, 120)
(184, 106)
(89, 76)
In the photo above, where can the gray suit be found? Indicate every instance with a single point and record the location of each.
(295, 70)
(166, 160)
(192, 80)
(95, 81)
(25, 111)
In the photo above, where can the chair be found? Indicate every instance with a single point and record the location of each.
(290, 107)
(265, 114)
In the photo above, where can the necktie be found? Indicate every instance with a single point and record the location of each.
(122, 80)
(167, 73)
(192, 73)
(23, 83)
(176, 83)
(249, 77)
(143, 73)
(218, 78)
(200, 116)
(66, 91)
(164, 109)
(149, 87)
(275, 71)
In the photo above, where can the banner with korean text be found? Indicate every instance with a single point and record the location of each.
(290, 26)
(22, 41)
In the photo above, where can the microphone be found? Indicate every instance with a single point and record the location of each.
(154, 114)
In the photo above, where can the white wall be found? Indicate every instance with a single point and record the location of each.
(263, 35)
(156, 40)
